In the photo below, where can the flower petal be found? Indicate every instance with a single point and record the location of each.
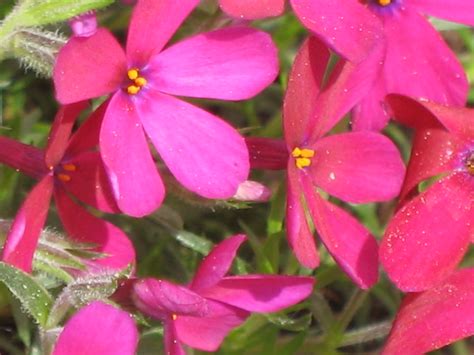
(299, 236)
(89, 182)
(207, 333)
(233, 63)
(217, 263)
(419, 63)
(348, 241)
(161, 299)
(349, 28)
(304, 85)
(430, 320)
(187, 136)
(88, 67)
(458, 10)
(427, 238)
(98, 328)
(172, 344)
(261, 293)
(252, 9)
(22, 238)
(109, 240)
(60, 132)
(23, 157)
(135, 181)
(267, 153)
(152, 25)
(357, 167)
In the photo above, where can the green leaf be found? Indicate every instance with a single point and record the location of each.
(34, 299)
(193, 242)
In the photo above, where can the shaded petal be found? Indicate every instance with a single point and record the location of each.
(427, 238)
(299, 236)
(252, 191)
(60, 132)
(261, 293)
(22, 238)
(88, 67)
(233, 63)
(89, 182)
(304, 85)
(348, 241)
(349, 28)
(172, 344)
(23, 157)
(207, 333)
(458, 10)
(419, 63)
(252, 9)
(109, 240)
(358, 167)
(203, 152)
(98, 328)
(135, 181)
(217, 263)
(152, 25)
(161, 299)
(267, 153)
(430, 320)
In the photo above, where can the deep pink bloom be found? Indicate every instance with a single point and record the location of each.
(98, 328)
(429, 235)
(201, 314)
(357, 167)
(435, 318)
(416, 60)
(204, 153)
(68, 166)
(84, 25)
(252, 9)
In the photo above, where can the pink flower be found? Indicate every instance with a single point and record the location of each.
(68, 166)
(252, 9)
(204, 153)
(202, 314)
(357, 167)
(98, 328)
(416, 60)
(429, 235)
(435, 318)
(84, 25)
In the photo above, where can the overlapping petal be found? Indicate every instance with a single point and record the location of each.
(252, 9)
(172, 344)
(88, 67)
(203, 152)
(135, 181)
(233, 63)
(267, 153)
(461, 11)
(98, 329)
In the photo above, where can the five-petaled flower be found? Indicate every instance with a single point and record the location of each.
(416, 60)
(69, 165)
(201, 314)
(203, 152)
(429, 235)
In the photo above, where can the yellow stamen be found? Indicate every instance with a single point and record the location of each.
(385, 2)
(296, 152)
(302, 157)
(69, 167)
(132, 89)
(470, 164)
(133, 74)
(140, 81)
(64, 177)
(174, 317)
(303, 162)
(307, 153)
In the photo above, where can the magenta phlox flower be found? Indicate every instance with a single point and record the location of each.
(68, 166)
(435, 318)
(356, 167)
(416, 60)
(252, 9)
(204, 153)
(98, 328)
(430, 233)
(201, 314)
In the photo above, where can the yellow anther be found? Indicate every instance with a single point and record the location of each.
(132, 89)
(385, 2)
(64, 177)
(140, 81)
(303, 162)
(303, 157)
(296, 152)
(174, 317)
(470, 164)
(69, 167)
(307, 153)
(133, 74)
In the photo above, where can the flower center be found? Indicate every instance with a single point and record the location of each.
(137, 81)
(470, 164)
(66, 168)
(302, 157)
(174, 316)
(384, 2)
